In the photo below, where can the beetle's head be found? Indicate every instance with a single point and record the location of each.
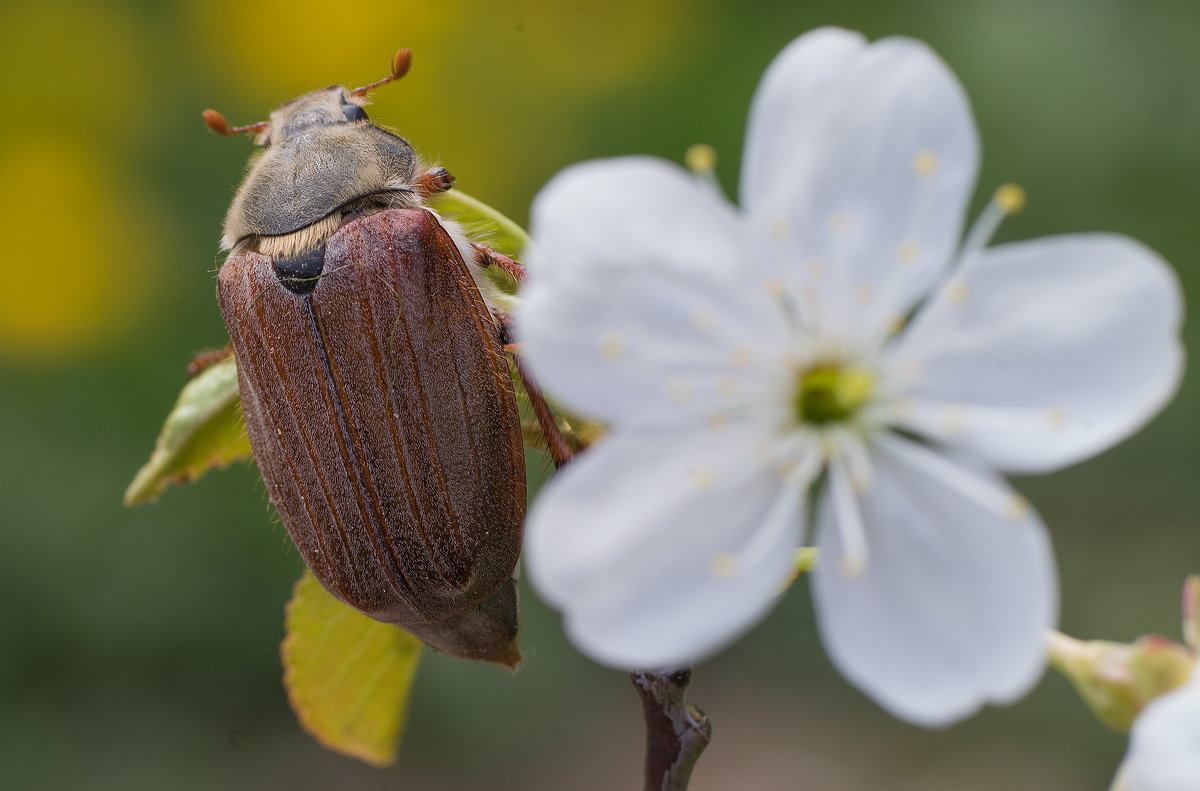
(329, 107)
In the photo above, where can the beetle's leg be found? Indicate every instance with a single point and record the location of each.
(433, 182)
(207, 359)
(560, 449)
(486, 256)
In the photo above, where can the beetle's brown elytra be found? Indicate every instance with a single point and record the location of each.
(375, 389)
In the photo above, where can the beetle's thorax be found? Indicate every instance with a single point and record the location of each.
(323, 159)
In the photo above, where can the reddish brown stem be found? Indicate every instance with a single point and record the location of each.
(556, 443)
(676, 733)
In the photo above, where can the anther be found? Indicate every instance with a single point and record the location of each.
(908, 251)
(852, 566)
(702, 320)
(924, 163)
(1010, 198)
(678, 390)
(723, 565)
(704, 477)
(701, 159)
(840, 223)
(612, 346)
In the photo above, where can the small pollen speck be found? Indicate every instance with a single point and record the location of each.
(678, 390)
(742, 356)
(727, 386)
(954, 419)
(814, 268)
(775, 287)
(852, 566)
(895, 323)
(780, 228)
(718, 422)
(1016, 509)
(723, 565)
(925, 162)
(864, 294)
(785, 470)
(612, 346)
(704, 477)
(908, 251)
(956, 292)
(1056, 417)
(702, 320)
(840, 223)
(860, 484)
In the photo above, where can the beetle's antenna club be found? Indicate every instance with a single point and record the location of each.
(401, 62)
(218, 124)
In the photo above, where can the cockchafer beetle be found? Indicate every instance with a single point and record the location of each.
(373, 378)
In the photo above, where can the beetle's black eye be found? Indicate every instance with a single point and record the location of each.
(353, 112)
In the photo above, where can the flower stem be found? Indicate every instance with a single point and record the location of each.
(676, 733)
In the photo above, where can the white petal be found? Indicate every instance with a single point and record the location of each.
(660, 547)
(1164, 743)
(951, 609)
(1042, 353)
(860, 161)
(638, 310)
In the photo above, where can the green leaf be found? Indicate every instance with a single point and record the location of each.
(204, 430)
(348, 677)
(483, 222)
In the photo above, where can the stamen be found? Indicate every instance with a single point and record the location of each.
(701, 159)
(848, 519)
(966, 482)
(1007, 199)
(858, 460)
(928, 416)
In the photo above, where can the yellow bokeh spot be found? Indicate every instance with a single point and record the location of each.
(273, 51)
(74, 268)
(72, 63)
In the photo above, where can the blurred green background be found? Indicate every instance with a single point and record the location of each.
(139, 647)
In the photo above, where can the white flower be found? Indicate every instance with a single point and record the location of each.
(746, 359)
(1164, 744)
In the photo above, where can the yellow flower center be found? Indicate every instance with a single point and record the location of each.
(831, 393)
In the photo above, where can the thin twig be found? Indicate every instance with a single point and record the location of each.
(676, 733)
